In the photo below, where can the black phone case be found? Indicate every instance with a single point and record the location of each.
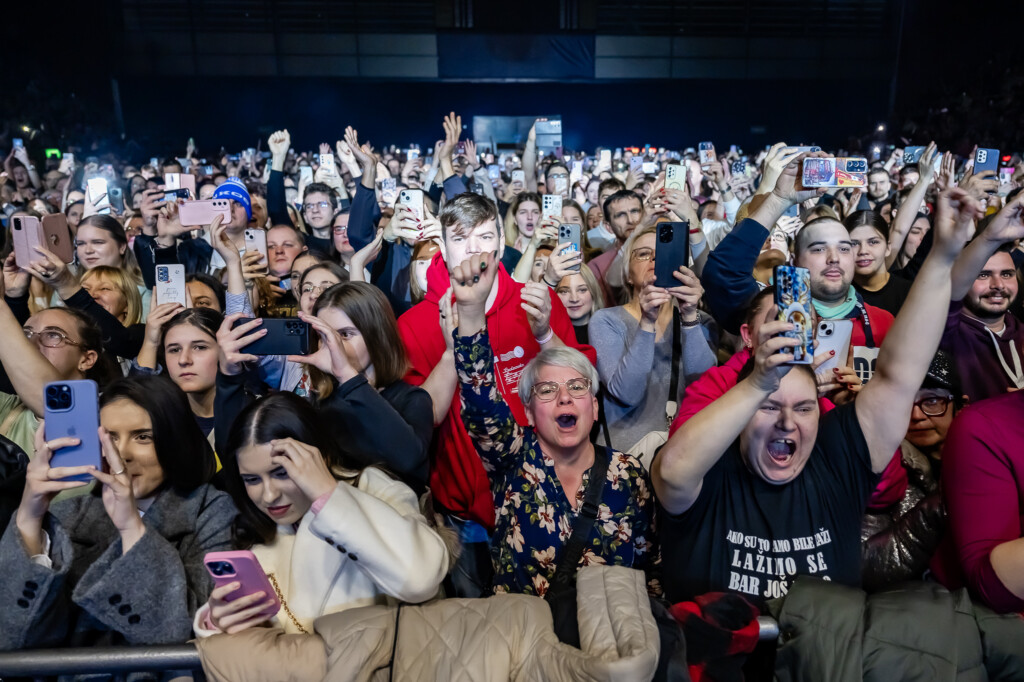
(671, 250)
(285, 336)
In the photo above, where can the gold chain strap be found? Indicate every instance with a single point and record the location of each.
(284, 604)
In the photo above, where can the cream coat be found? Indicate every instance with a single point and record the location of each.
(369, 542)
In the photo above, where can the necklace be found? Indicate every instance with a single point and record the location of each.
(284, 605)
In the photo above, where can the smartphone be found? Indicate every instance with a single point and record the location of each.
(72, 410)
(675, 177)
(154, 162)
(986, 160)
(305, 175)
(180, 181)
(170, 284)
(810, 148)
(208, 170)
(18, 143)
(116, 197)
(650, 168)
(912, 155)
(549, 134)
(833, 335)
(26, 234)
(571, 232)
(97, 188)
(493, 172)
(738, 167)
(706, 151)
(413, 154)
(476, 188)
(1006, 175)
(560, 185)
(256, 240)
(285, 336)
(327, 162)
(70, 157)
(793, 298)
(202, 212)
(519, 176)
(636, 163)
(413, 198)
(576, 174)
(835, 172)
(57, 236)
(242, 567)
(389, 191)
(175, 194)
(605, 162)
(671, 250)
(551, 206)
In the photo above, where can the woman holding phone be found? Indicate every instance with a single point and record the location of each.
(331, 536)
(123, 564)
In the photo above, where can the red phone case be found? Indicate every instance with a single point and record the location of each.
(243, 567)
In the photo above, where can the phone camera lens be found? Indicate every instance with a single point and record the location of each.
(51, 391)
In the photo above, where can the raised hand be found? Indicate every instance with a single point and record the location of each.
(562, 262)
(926, 165)
(452, 130)
(472, 280)
(535, 299)
(118, 495)
(955, 216)
(16, 280)
(236, 615)
(361, 258)
(688, 293)
(773, 353)
(305, 466)
(651, 299)
(279, 143)
(448, 316)
(230, 342)
(330, 357)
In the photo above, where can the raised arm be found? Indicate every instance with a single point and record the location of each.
(910, 206)
(279, 143)
(679, 469)
(1006, 227)
(884, 404)
(530, 159)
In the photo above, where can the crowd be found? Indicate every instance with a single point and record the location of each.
(485, 409)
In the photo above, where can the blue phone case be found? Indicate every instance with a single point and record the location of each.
(986, 160)
(72, 411)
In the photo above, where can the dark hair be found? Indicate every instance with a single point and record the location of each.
(213, 284)
(329, 265)
(703, 208)
(466, 211)
(279, 415)
(109, 224)
(867, 218)
(618, 196)
(321, 188)
(910, 168)
(800, 241)
(610, 183)
(204, 319)
(372, 315)
(748, 369)
(184, 453)
(555, 164)
(876, 170)
(756, 305)
(105, 370)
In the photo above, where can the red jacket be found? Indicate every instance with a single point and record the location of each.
(714, 383)
(457, 477)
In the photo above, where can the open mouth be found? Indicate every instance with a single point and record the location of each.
(566, 421)
(781, 450)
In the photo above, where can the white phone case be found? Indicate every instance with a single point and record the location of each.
(170, 284)
(552, 206)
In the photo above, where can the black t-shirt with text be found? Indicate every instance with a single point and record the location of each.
(890, 297)
(748, 536)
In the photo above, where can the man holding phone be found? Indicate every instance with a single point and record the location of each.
(521, 320)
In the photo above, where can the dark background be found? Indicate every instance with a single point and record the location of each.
(59, 67)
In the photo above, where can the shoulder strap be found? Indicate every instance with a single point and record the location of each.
(566, 570)
(602, 417)
(677, 353)
(12, 416)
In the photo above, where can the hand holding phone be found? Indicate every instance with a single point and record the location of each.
(793, 299)
(71, 410)
(241, 568)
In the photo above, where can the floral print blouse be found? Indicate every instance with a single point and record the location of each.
(533, 515)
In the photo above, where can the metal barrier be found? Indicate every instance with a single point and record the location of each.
(126, 659)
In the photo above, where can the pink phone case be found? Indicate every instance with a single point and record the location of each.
(57, 236)
(243, 567)
(202, 212)
(26, 233)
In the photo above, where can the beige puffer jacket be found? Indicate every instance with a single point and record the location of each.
(504, 637)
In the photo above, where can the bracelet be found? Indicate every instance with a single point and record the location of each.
(694, 323)
(544, 339)
(545, 280)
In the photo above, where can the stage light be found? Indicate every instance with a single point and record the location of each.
(881, 127)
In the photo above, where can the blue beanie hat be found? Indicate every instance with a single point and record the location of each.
(232, 188)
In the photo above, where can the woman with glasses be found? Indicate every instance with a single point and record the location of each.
(899, 542)
(355, 377)
(634, 344)
(539, 474)
(53, 345)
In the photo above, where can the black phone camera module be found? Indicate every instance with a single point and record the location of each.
(221, 568)
(665, 233)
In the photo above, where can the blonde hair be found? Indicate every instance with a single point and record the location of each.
(511, 227)
(123, 282)
(627, 249)
(597, 299)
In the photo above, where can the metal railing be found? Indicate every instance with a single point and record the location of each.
(126, 659)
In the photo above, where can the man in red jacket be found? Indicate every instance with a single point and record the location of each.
(521, 320)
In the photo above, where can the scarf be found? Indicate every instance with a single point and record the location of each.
(837, 312)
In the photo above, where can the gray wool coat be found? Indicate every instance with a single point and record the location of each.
(95, 596)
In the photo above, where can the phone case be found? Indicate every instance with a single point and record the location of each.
(809, 148)
(571, 232)
(606, 158)
(57, 236)
(793, 298)
(706, 150)
(180, 181)
(256, 240)
(560, 185)
(833, 335)
(242, 567)
(170, 284)
(389, 191)
(835, 172)
(675, 177)
(413, 198)
(26, 234)
(327, 162)
(636, 163)
(98, 194)
(552, 206)
(72, 411)
(912, 155)
(202, 212)
(671, 250)
(285, 336)
(649, 168)
(549, 134)
(305, 174)
(986, 160)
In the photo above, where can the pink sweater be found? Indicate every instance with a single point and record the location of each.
(983, 483)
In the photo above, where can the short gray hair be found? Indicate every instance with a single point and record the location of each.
(561, 356)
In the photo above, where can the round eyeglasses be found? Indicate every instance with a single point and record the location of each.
(546, 391)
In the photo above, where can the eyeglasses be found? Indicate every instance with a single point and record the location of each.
(548, 390)
(643, 254)
(318, 288)
(933, 406)
(51, 338)
(323, 205)
(558, 176)
(341, 229)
